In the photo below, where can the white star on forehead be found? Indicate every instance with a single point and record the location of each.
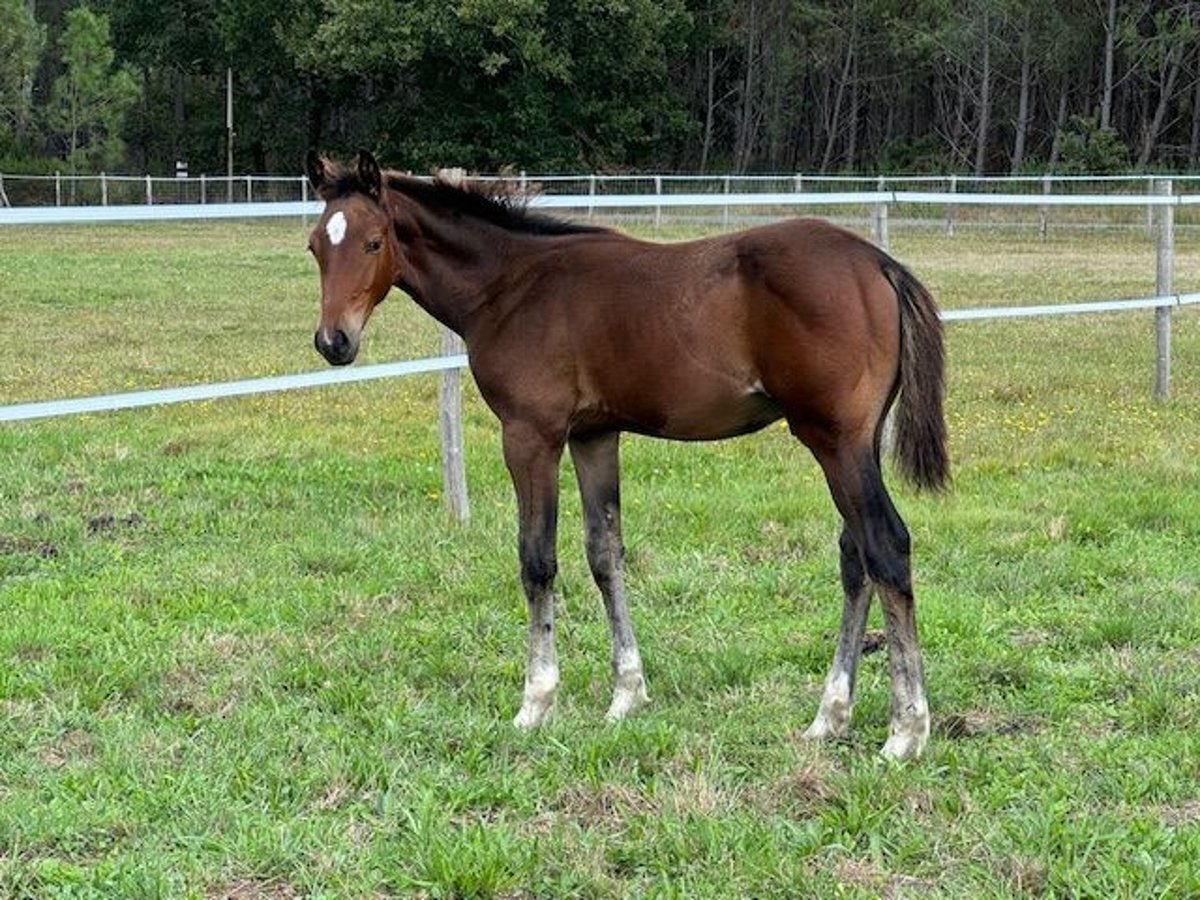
(336, 227)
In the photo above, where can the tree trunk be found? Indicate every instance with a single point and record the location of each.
(1110, 36)
(1018, 157)
(1150, 133)
(1060, 123)
(709, 109)
(985, 101)
(745, 126)
(835, 118)
(1194, 147)
(852, 130)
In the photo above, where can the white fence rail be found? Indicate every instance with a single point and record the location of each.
(59, 189)
(1162, 203)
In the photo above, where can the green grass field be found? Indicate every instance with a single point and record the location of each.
(245, 654)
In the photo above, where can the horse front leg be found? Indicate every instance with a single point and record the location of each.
(597, 469)
(532, 460)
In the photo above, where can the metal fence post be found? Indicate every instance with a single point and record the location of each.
(657, 193)
(304, 200)
(149, 192)
(454, 473)
(1164, 286)
(58, 188)
(725, 208)
(591, 195)
(203, 190)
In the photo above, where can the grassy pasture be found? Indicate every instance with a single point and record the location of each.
(244, 654)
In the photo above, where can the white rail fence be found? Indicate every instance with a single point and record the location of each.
(1161, 205)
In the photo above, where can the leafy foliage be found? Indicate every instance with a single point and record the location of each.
(1087, 148)
(91, 96)
(817, 85)
(20, 43)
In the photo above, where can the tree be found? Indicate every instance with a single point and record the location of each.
(548, 83)
(20, 45)
(90, 98)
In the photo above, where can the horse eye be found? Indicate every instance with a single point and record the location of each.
(374, 246)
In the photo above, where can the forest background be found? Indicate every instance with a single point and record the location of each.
(972, 86)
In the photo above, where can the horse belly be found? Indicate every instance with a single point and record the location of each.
(710, 416)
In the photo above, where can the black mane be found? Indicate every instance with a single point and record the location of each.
(493, 202)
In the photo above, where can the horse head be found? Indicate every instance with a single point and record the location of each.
(355, 249)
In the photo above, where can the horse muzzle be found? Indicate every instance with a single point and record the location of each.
(337, 347)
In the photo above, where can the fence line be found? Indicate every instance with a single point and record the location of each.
(215, 390)
(54, 189)
(1163, 200)
(325, 377)
(78, 215)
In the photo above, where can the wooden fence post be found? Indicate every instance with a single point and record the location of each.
(1164, 286)
(1044, 210)
(951, 209)
(454, 470)
(879, 224)
(454, 473)
(879, 234)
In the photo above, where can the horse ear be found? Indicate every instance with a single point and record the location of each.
(369, 174)
(317, 169)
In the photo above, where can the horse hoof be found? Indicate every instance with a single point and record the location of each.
(532, 715)
(626, 700)
(903, 746)
(824, 728)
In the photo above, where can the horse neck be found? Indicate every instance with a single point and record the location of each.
(452, 263)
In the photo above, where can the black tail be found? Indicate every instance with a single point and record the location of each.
(920, 435)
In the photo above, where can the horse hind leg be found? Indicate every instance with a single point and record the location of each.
(875, 528)
(837, 698)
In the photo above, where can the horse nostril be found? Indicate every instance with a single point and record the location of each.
(337, 349)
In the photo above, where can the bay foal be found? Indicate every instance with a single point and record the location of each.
(576, 333)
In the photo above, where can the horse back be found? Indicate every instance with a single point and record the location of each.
(692, 340)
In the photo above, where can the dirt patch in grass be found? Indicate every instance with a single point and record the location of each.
(975, 723)
(610, 806)
(1187, 813)
(252, 890)
(23, 546)
(798, 795)
(69, 747)
(107, 523)
(1025, 877)
(214, 676)
(862, 874)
